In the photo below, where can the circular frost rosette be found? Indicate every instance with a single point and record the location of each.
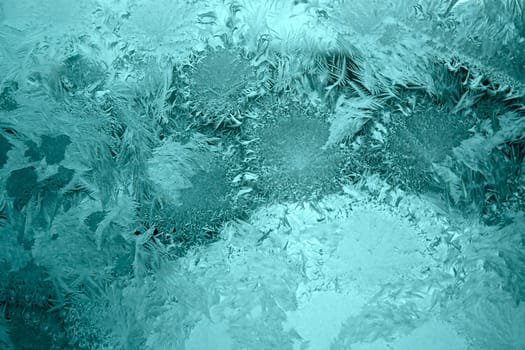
(286, 150)
(220, 84)
(194, 180)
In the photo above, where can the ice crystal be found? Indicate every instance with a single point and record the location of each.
(262, 174)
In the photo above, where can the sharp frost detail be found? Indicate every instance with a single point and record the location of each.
(240, 174)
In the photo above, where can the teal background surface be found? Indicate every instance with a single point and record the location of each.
(250, 174)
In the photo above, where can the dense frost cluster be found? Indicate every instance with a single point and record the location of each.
(258, 174)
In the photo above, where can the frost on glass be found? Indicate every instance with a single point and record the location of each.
(248, 174)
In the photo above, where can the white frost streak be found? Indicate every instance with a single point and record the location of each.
(349, 118)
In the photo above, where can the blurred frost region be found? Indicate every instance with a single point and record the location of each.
(243, 174)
